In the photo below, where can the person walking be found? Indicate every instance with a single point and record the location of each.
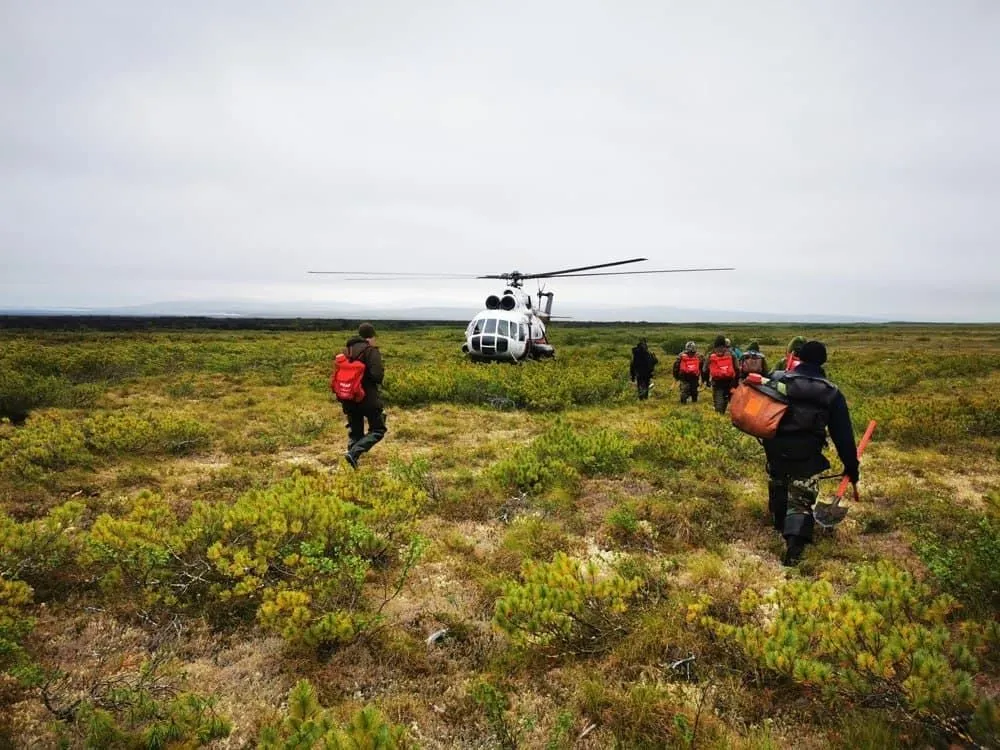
(795, 457)
(641, 370)
(752, 361)
(364, 350)
(720, 369)
(687, 371)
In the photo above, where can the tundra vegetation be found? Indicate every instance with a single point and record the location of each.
(531, 559)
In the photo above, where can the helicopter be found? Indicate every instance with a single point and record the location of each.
(511, 328)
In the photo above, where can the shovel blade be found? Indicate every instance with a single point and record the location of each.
(828, 515)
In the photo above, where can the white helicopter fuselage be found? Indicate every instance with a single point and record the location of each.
(507, 330)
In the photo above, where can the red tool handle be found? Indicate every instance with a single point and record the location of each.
(865, 439)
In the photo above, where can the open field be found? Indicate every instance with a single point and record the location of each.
(186, 560)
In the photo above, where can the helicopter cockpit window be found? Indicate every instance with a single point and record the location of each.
(502, 328)
(491, 325)
(478, 327)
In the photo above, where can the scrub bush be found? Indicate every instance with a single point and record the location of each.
(306, 724)
(568, 605)
(886, 642)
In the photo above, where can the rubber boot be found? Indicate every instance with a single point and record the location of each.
(777, 502)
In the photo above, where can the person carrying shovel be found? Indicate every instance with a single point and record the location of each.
(795, 457)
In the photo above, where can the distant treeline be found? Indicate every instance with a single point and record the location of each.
(205, 322)
(183, 322)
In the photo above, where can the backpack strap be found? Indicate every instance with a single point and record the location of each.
(358, 357)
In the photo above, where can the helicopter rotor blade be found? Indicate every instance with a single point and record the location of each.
(389, 275)
(549, 274)
(637, 273)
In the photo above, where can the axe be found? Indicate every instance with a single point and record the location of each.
(829, 515)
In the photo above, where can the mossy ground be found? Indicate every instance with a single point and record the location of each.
(515, 464)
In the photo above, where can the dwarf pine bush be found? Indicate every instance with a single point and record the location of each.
(560, 456)
(306, 724)
(297, 555)
(885, 642)
(573, 606)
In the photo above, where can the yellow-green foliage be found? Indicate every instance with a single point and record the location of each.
(306, 724)
(15, 625)
(887, 641)
(39, 549)
(576, 379)
(694, 440)
(128, 432)
(135, 718)
(48, 441)
(560, 456)
(297, 554)
(573, 605)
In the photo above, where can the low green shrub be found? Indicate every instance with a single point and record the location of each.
(886, 642)
(306, 724)
(567, 605)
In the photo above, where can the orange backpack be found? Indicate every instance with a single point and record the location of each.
(345, 381)
(720, 366)
(757, 409)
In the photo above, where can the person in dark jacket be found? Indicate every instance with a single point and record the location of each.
(687, 371)
(641, 370)
(795, 457)
(363, 348)
(721, 369)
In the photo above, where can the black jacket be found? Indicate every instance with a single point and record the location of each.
(816, 406)
(359, 349)
(643, 362)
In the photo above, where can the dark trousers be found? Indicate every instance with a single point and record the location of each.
(642, 384)
(721, 392)
(689, 389)
(790, 500)
(357, 441)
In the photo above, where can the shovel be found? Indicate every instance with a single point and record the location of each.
(829, 515)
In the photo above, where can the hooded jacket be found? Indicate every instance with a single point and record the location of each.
(358, 348)
(816, 406)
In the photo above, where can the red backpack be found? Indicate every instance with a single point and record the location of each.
(720, 366)
(690, 364)
(345, 381)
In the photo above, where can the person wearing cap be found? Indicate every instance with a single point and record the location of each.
(364, 349)
(641, 370)
(792, 360)
(795, 457)
(721, 369)
(752, 361)
(687, 370)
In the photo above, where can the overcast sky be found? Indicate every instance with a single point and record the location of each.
(843, 155)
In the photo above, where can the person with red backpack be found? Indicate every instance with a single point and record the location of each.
(357, 375)
(721, 370)
(752, 361)
(687, 371)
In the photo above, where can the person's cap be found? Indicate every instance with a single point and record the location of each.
(755, 345)
(366, 331)
(720, 341)
(689, 346)
(813, 352)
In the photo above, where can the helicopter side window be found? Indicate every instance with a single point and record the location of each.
(478, 328)
(502, 328)
(491, 325)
